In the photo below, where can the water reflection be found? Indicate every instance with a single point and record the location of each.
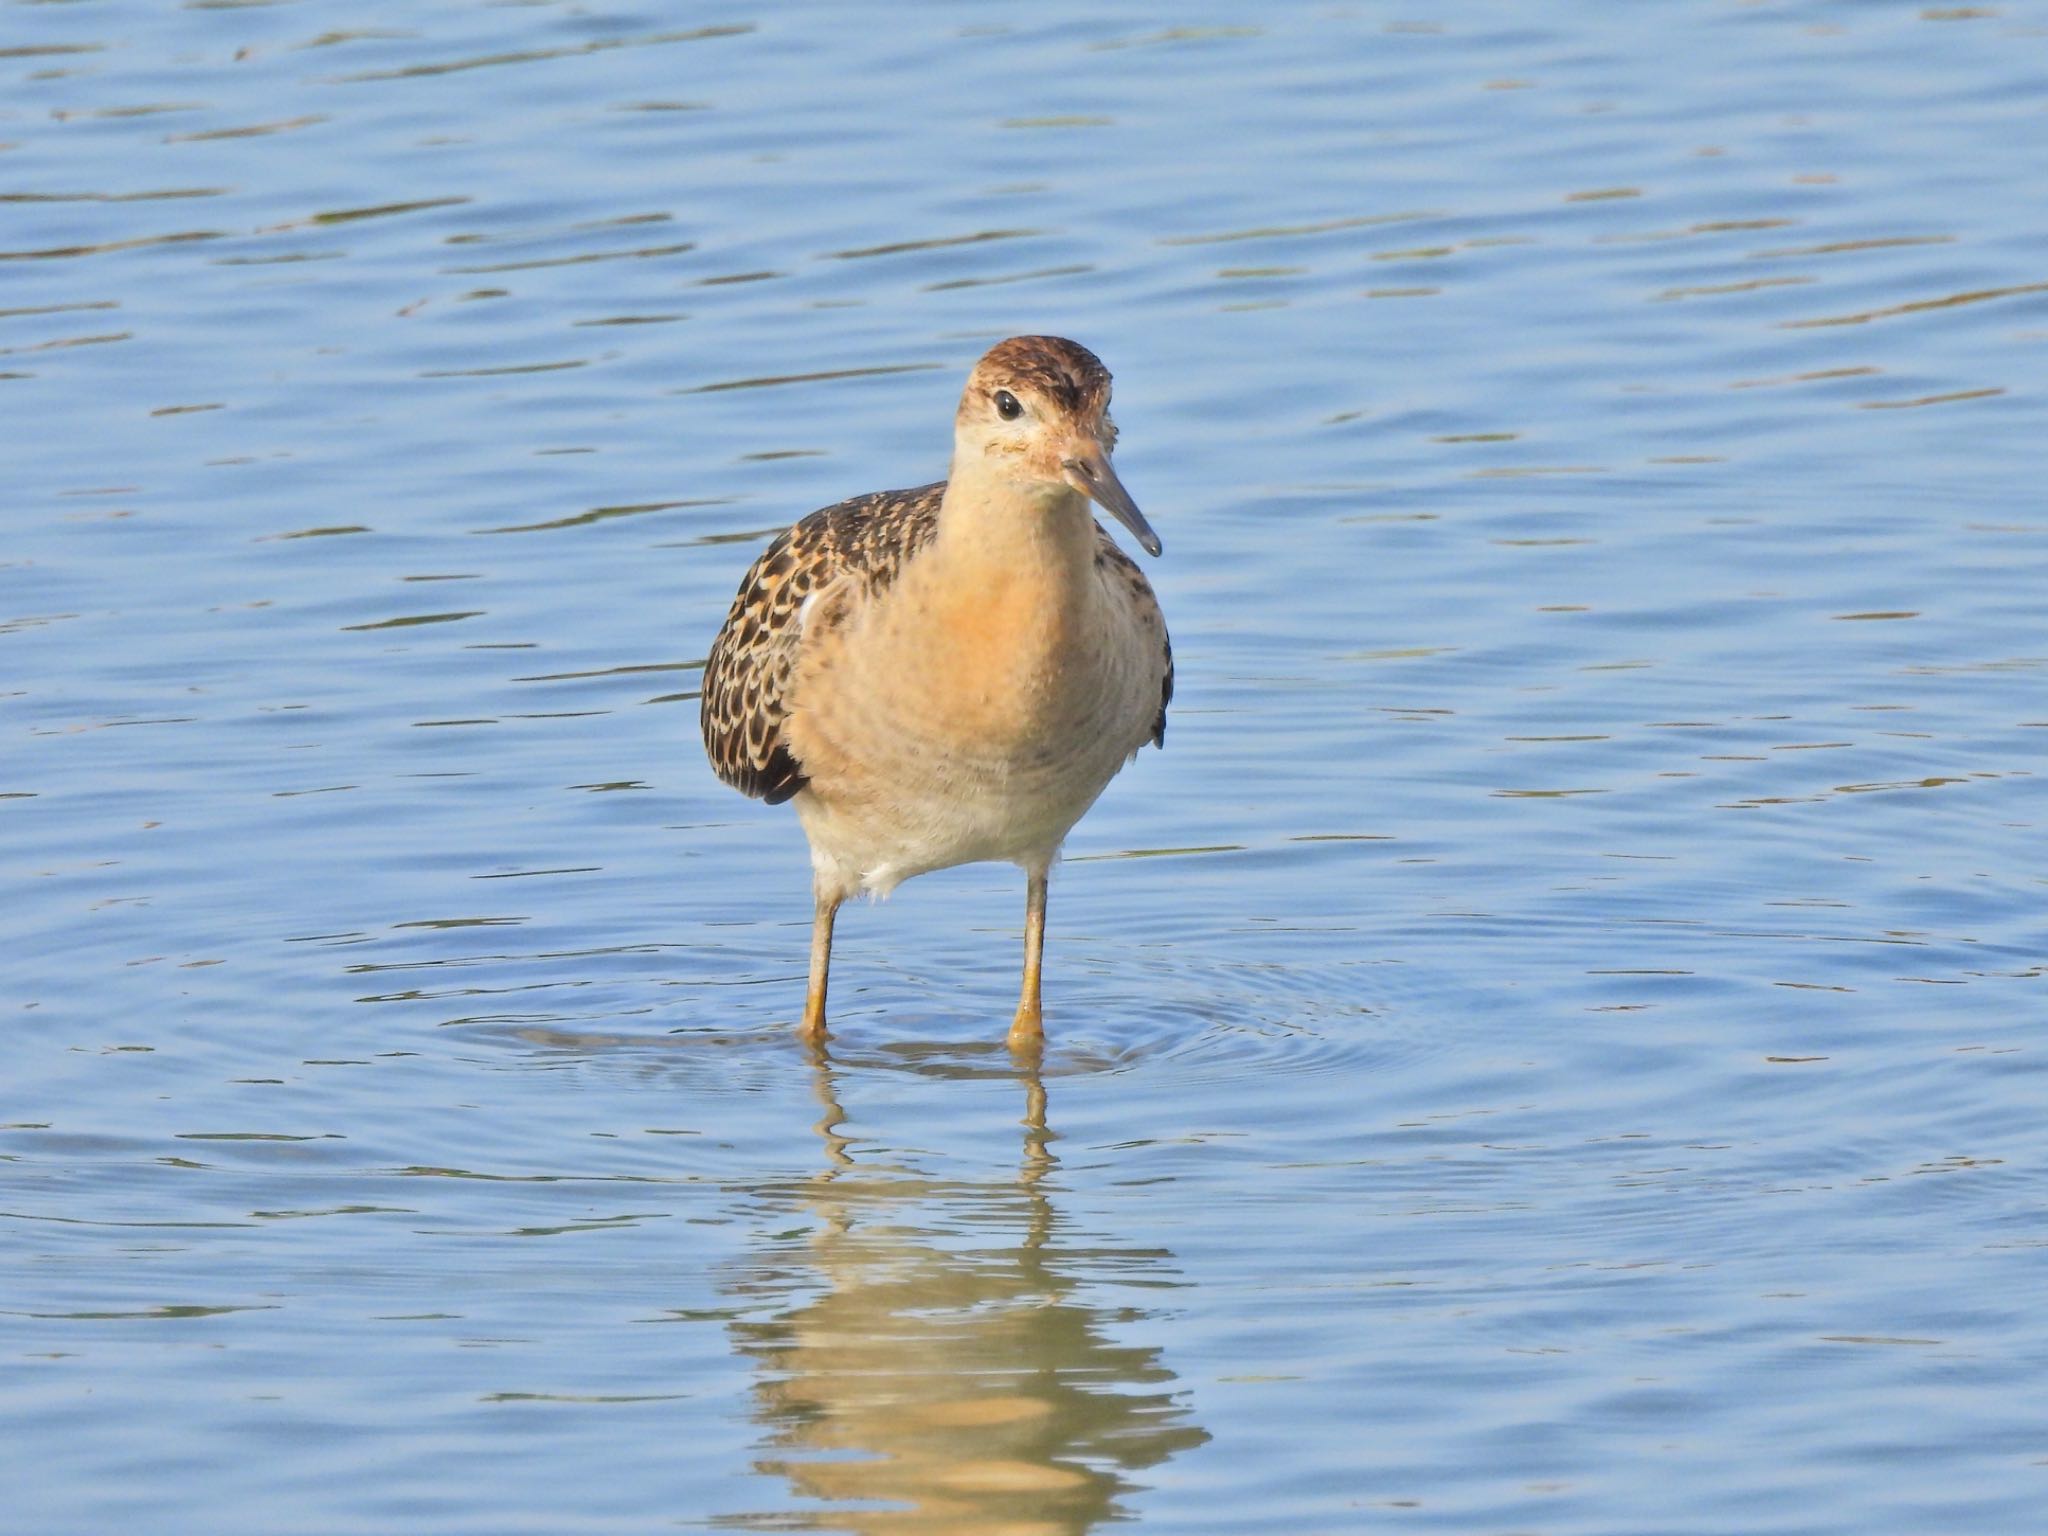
(942, 1363)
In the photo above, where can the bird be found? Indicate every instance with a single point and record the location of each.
(951, 674)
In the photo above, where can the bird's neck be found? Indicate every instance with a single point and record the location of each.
(1006, 581)
(1034, 531)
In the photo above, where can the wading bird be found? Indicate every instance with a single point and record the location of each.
(951, 674)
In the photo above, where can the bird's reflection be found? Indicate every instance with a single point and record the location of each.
(942, 1370)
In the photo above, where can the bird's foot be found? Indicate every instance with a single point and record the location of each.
(1027, 1030)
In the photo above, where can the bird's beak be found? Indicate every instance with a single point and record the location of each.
(1087, 470)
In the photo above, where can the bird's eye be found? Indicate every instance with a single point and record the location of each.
(1007, 406)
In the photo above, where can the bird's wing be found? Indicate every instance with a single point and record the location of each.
(1110, 556)
(745, 706)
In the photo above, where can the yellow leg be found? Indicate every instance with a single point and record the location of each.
(813, 1026)
(1028, 1029)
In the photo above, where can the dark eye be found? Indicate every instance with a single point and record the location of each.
(1007, 406)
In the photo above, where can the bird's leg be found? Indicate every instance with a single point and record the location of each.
(1028, 1029)
(813, 1026)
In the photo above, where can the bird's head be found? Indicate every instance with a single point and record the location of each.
(1035, 414)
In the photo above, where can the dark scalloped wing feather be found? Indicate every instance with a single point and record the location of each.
(1110, 555)
(1165, 696)
(747, 677)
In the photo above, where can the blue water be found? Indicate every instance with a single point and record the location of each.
(1554, 1042)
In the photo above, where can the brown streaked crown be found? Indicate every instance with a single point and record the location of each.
(1064, 372)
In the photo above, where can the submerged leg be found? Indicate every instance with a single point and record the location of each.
(813, 1026)
(1029, 1026)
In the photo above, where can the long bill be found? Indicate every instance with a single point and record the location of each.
(1088, 471)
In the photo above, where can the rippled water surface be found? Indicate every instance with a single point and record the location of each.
(1553, 1044)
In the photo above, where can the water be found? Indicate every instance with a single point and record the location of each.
(1553, 1044)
